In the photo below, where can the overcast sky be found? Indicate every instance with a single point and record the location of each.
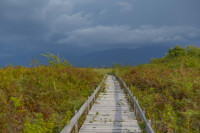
(29, 27)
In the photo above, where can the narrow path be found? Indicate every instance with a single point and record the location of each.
(111, 113)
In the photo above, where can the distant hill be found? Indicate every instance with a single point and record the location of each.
(121, 56)
(106, 58)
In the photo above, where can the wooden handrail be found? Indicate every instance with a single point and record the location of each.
(74, 121)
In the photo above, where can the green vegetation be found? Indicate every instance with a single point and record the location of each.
(43, 99)
(102, 70)
(168, 89)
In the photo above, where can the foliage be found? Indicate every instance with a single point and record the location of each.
(40, 126)
(16, 102)
(54, 60)
(169, 118)
(43, 98)
(177, 51)
(168, 89)
(193, 51)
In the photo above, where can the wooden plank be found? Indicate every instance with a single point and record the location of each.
(73, 121)
(111, 112)
(138, 109)
(130, 123)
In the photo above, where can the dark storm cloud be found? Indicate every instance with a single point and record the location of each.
(72, 25)
(126, 35)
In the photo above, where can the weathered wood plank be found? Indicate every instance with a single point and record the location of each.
(111, 112)
(138, 109)
(73, 121)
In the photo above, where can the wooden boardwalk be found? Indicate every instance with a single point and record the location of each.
(111, 112)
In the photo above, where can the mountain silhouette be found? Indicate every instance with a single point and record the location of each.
(123, 56)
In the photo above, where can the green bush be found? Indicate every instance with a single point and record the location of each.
(168, 90)
(177, 51)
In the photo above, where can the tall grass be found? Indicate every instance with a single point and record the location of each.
(169, 90)
(42, 98)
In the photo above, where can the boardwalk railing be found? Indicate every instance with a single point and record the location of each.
(137, 107)
(74, 121)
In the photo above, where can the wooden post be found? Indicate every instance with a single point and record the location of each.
(136, 111)
(76, 125)
(149, 121)
(88, 108)
(92, 102)
(143, 112)
(86, 111)
(95, 96)
(128, 96)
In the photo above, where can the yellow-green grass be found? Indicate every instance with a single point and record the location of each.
(102, 70)
(168, 89)
(42, 99)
